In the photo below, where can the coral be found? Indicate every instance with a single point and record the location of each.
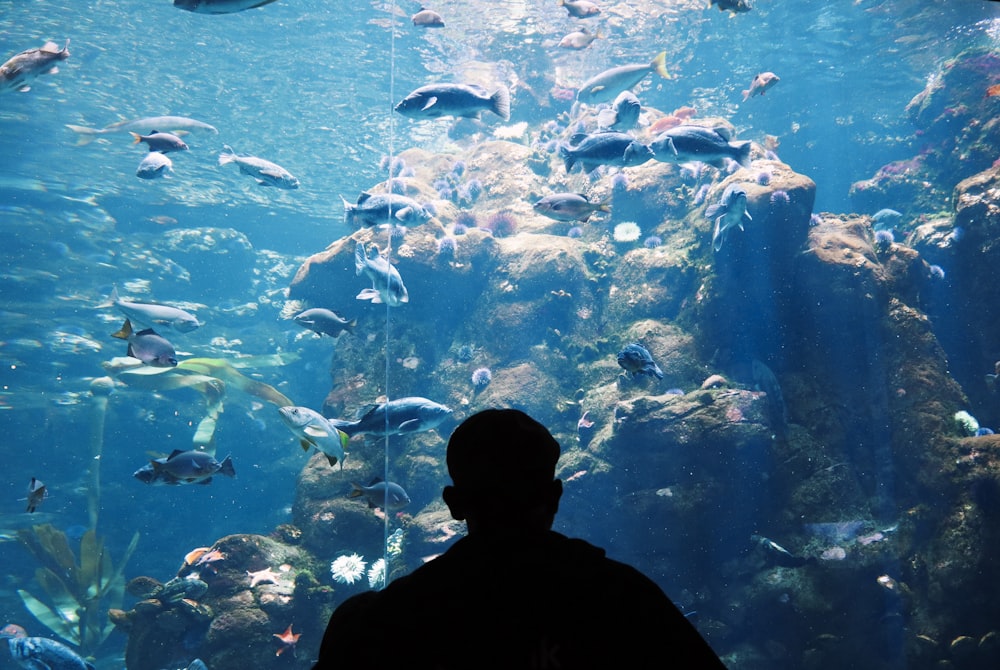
(481, 378)
(628, 231)
(501, 224)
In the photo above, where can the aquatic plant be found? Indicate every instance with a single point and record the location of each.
(652, 242)
(447, 246)
(348, 569)
(80, 592)
(779, 197)
(575, 231)
(628, 231)
(481, 378)
(501, 224)
(966, 422)
(884, 240)
(376, 574)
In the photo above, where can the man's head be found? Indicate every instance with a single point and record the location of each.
(502, 464)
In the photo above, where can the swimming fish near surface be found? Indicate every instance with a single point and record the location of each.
(382, 209)
(686, 143)
(762, 81)
(159, 141)
(148, 346)
(17, 73)
(396, 417)
(193, 467)
(174, 124)
(314, 430)
(324, 321)
(264, 171)
(152, 315)
(154, 165)
(219, 6)
(569, 207)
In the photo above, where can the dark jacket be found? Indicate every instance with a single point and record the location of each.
(526, 601)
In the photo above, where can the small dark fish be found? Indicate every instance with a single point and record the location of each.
(686, 143)
(580, 9)
(402, 416)
(324, 321)
(463, 100)
(427, 18)
(41, 653)
(735, 6)
(760, 84)
(154, 165)
(607, 148)
(636, 360)
(386, 495)
(193, 467)
(729, 212)
(162, 142)
(219, 6)
(36, 494)
(18, 72)
(765, 380)
(148, 346)
(569, 207)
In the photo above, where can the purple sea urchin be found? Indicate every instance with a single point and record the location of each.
(447, 247)
(764, 177)
(501, 224)
(884, 239)
(652, 242)
(481, 378)
(780, 197)
(575, 232)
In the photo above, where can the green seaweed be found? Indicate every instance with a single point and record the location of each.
(80, 592)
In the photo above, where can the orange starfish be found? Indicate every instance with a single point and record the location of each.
(288, 641)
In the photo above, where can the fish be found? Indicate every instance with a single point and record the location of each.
(762, 81)
(192, 467)
(174, 124)
(606, 148)
(685, 143)
(578, 39)
(886, 219)
(162, 142)
(387, 285)
(427, 18)
(148, 346)
(636, 360)
(608, 84)
(151, 315)
(154, 165)
(324, 321)
(775, 554)
(219, 6)
(765, 380)
(381, 209)
(401, 416)
(21, 69)
(386, 495)
(735, 6)
(580, 9)
(622, 115)
(463, 100)
(36, 494)
(729, 212)
(313, 429)
(569, 207)
(265, 172)
(42, 653)
(148, 475)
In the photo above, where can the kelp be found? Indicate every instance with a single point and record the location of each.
(80, 592)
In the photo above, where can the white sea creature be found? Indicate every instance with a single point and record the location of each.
(348, 569)
(376, 574)
(628, 231)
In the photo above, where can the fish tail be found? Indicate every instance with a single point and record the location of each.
(111, 299)
(603, 207)
(227, 156)
(86, 135)
(356, 490)
(360, 258)
(136, 137)
(125, 332)
(348, 210)
(568, 159)
(660, 65)
(226, 467)
(743, 154)
(746, 95)
(500, 103)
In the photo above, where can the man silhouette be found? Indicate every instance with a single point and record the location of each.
(513, 593)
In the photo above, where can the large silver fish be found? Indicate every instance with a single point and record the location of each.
(396, 417)
(387, 285)
(264, 171)
(729, 212)
(313, 429)
(173, 124)
(219, 6)
(434, 100)
(151, 315)
(41, 653)
(606, 85)
(16, 74)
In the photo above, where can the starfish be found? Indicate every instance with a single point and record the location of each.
(266, 575)
(288, 640)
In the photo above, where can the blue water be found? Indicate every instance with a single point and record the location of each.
(310, 85)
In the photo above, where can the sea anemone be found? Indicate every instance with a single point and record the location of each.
(501, 224)
(628, 231)
(447, 247)
(407, 172)
(883, 241)
(764, 177)
(575, 231)
(966, 422)
(481, 378)
(446, 193)
(466, 352)
(348, 569)
(779, 197)
(376, 574)
(459, 229)
(652, 242)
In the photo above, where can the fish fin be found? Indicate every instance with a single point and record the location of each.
(568, 159)
(746, 95)
(261, 182)
(86, 135)
(332, 460)
(125, 332)
(369, 294)
(356, 492)
(305, 444)
(603, 207)
(50, 47)
(409, 426)
(431, 101)
(360, 258)
(659, 64)
(24, 89)
(226, 467)
(743, 154)
(723, 132)
(363, 197)
(137, 137)
(500, 103)
(375, 480)
(227, 156)
(717, 237)
(54, 70)
(713, 210)
(746, 218)
(403, 213)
